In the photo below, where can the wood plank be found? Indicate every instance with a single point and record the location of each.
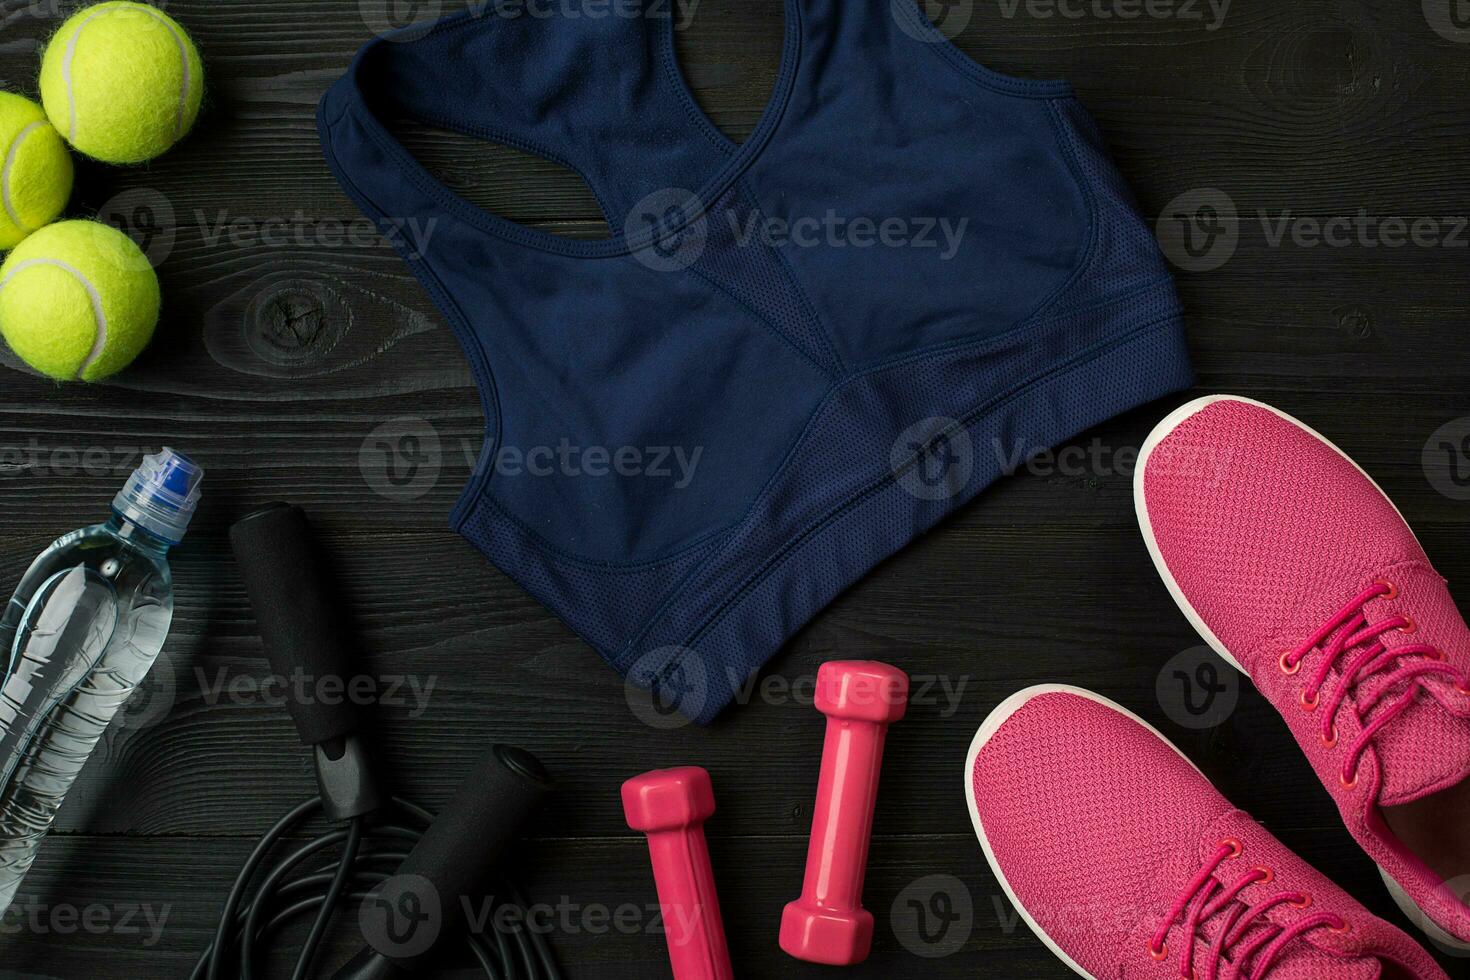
(277, 362)
(121, 885)
(993, 615)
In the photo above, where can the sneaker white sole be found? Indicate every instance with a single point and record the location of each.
(1161, 432)
(988, 728)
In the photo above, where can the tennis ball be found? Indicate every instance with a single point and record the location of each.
(35, 170)
(78, 300)
(122, 82)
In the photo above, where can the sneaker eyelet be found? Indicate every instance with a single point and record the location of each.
(1344, 928)
(1330, 741)
(1409, 628)
(1348, 783)
(1305, 903)
(1464, 687)
(1161, 953)
(1308, 705)
(1270, 875)
(1393, 590)
(1287, 667)
(1235, 847)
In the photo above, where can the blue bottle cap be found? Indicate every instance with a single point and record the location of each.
(161, 495)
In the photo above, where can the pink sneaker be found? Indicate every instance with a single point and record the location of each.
(1296, 568)
(1126, 862)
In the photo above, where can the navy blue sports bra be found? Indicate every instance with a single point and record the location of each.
(794, 354)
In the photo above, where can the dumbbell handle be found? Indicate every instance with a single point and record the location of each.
(671, 806)
(844, 815)
(828, 924)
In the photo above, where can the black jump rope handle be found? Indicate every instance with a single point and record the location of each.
(287, 582)
(459, 851)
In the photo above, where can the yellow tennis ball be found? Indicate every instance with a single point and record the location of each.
(78, 300)
(35, 170)
(122, 82)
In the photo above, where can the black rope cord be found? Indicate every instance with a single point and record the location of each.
(370, 850)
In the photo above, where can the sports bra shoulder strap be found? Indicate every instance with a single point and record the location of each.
(599, 92)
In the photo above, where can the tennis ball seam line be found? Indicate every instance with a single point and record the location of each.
(71, 53)
(187, 80)
(99, 317)
(66, 65)
(10, 157)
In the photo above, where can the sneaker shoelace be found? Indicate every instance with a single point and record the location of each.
(1205, 897)
(1408, 663)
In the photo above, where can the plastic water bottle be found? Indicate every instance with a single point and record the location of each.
(85, 625)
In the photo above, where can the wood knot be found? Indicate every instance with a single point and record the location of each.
(296, 321)
(1355, 322)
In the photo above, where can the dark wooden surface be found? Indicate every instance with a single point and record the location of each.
(275, 362)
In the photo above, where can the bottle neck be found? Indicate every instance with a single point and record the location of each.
(136, 534)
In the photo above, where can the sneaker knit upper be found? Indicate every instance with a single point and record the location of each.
(1097, 826)
(1267, 534)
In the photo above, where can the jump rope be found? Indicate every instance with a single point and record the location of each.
(418, 872)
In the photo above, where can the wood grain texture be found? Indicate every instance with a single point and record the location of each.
(279, 359)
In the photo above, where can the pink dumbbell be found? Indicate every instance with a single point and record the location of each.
(828, 924)
(671, 806)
